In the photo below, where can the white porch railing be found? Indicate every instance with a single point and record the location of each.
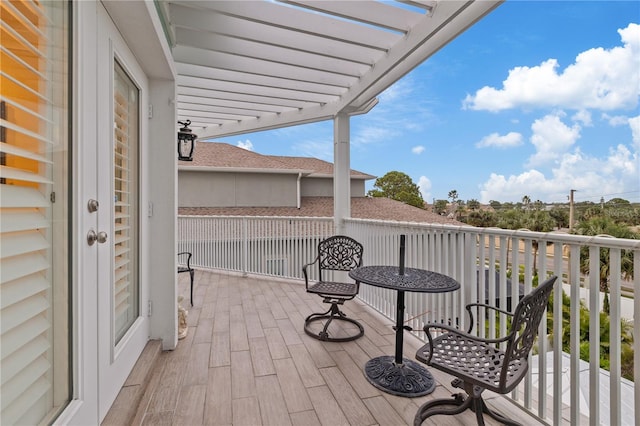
(252, 245)
(280, 246)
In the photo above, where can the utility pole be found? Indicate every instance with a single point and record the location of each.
(571, 210)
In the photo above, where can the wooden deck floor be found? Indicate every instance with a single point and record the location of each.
(247, 361)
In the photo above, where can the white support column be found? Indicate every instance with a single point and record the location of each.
(162, 175)
(341, 172)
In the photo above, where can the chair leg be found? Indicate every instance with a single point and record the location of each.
(331, 314)
(191, 273)
(471, 400)
(458, 402)
(497, 416)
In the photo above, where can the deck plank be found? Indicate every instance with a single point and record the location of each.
(197, 367)
(246, 412)
(305, 365)
(295, 394)
(273, 409)
(326, 407)
(218, 408)
(262, 362)
(190, 407)
(277, 345)
(351, 404)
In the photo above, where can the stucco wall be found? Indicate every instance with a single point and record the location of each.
(323, 187)
(221, 189)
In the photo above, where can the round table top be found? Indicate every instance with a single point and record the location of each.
(416, 280)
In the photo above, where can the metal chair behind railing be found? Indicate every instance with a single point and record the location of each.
(184, 265)
(337, 253)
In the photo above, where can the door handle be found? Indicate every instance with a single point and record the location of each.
(92, 237)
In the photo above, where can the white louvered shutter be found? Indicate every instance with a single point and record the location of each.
(126, 136)
(34, 338)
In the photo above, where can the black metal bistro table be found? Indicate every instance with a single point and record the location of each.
(401, 376)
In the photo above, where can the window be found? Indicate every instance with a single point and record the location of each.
(34, 211)
(125, 184)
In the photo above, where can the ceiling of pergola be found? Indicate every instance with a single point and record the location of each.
(246, 66)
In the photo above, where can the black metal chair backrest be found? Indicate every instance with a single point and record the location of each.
(184, 261)
(525, 325)
(339, 253)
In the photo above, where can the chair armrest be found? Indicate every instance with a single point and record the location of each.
(304, 271)
(482, 305)
(450, 329)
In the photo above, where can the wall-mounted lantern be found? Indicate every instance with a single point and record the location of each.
(186, 141)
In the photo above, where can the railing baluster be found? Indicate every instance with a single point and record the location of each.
(615, 417)
(594, 330)
(574, 338)
(636, 326)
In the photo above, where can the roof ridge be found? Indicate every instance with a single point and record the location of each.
(223, 154)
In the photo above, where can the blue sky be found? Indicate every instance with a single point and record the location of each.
(538, 98)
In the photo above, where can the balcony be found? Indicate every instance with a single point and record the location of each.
(247, 361)
(263, 256)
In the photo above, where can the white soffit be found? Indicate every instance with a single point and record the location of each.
(246, 66)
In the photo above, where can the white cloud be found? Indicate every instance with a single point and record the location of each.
(419, 149)
(583, 117)
(616, 120)
(402, 109)
(425, 188)
(322, 149)
(373, 134)
(551, 138)
(512, 188)
(398, 90)
(599, 78)
(245, 145)
(618, 172)
(509, 140)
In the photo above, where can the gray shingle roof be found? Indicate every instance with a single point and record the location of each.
(361, 208)
(223, 155)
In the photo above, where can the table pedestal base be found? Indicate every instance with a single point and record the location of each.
(408, 379)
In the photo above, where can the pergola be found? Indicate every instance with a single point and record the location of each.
(246, 66)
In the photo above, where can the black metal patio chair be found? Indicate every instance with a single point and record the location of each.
(337, 253)
(184, 265)
(478, 363)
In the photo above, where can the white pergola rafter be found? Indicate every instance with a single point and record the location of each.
(246, 66)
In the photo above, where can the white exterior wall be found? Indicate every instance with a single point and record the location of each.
(221, 189)
(323, 187)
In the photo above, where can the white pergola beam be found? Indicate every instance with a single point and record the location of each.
(319, 44)
(274, 14)
(189, 70)
(259, 67)
(373, 13)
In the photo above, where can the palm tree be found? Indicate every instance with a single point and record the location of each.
(606, 226)
(538, 221)
(453, 196)
(626, 333)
